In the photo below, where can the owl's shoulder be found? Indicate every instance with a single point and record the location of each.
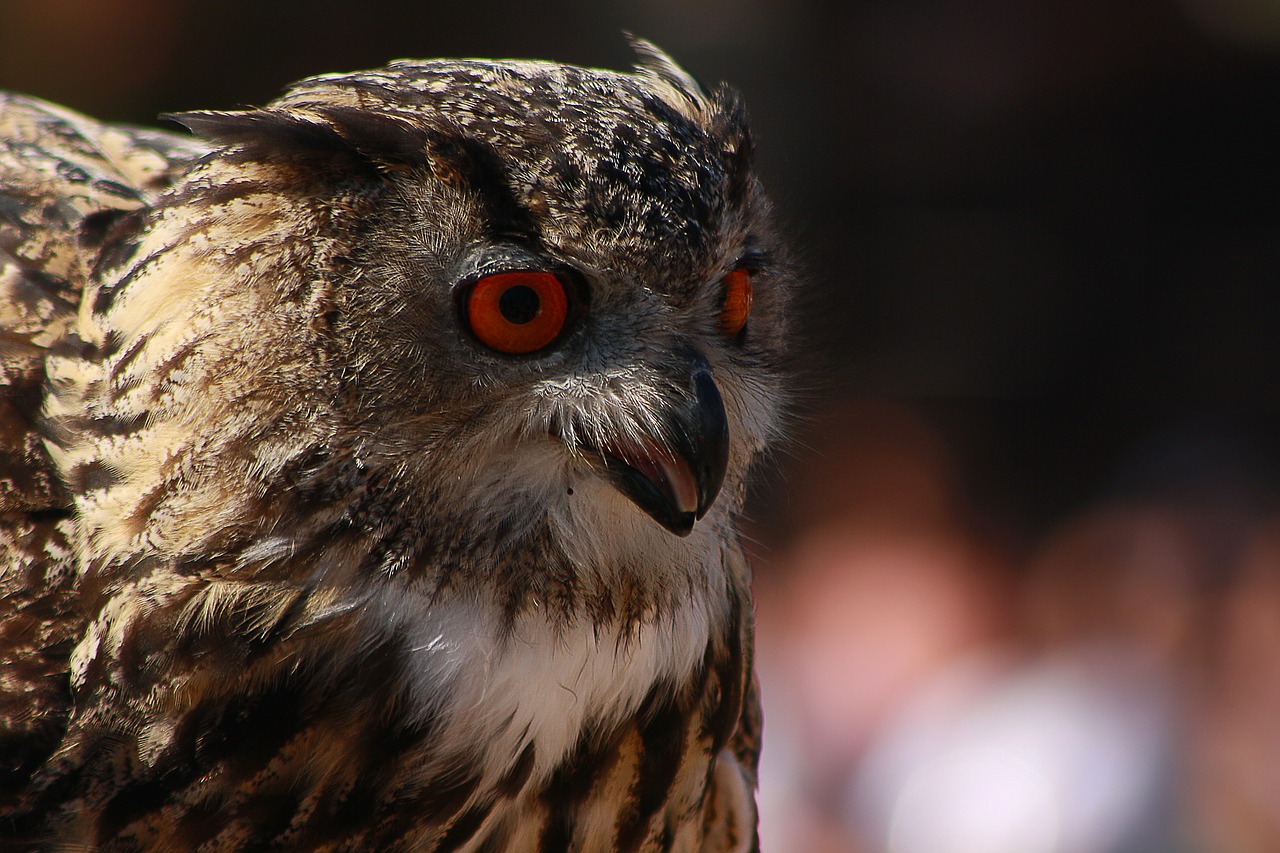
(70, 189)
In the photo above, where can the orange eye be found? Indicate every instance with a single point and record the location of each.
(517, 312)
(737, 303)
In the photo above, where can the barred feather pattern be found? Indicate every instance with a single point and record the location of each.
(290, 562)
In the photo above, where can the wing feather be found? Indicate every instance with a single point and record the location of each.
(68, 187)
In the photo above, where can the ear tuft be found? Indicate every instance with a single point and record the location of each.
(275, 136)
(668, 78)
(654, 61)
(388, 142)
(731, 127)
(333, 137)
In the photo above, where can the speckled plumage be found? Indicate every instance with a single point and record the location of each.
(290, 560)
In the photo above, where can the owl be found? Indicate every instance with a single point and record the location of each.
(370, 465)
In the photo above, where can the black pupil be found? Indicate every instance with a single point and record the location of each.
(519, 304)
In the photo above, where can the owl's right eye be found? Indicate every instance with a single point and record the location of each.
(517, 312)
(737, 303)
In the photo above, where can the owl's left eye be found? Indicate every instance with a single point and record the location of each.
(736, 308)
(517, 312)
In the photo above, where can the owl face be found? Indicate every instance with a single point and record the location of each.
(554, 292)
(598, 290)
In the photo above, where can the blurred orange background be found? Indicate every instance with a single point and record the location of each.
(1018, 570)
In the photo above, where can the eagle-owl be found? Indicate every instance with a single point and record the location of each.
(369, 465)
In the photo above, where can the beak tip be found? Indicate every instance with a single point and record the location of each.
(677, 483)
(681, 525)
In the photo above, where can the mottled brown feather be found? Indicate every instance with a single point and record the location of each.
(67, 185)
(289, 561)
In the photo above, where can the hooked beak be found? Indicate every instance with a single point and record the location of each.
(676, 482)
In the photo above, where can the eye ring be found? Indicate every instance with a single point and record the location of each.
(518, 312)
(735, 310)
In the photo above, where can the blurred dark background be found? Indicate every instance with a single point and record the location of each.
(1037, 422)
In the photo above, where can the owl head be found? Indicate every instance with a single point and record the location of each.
(467, 300)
